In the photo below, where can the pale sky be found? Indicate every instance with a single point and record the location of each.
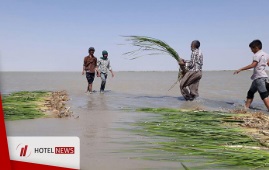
(54, 35)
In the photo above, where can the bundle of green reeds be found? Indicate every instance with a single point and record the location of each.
(203, 136)
(23, 105)
(153, 46)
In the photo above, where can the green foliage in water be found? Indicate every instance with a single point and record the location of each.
(203, 135)
(23, 105)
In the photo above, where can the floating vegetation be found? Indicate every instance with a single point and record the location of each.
(34, 104)
(213, 137)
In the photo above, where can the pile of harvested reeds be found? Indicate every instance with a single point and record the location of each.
(257, 120)
(57, 104)
(199, 135)
(23, 105)
(257, 123)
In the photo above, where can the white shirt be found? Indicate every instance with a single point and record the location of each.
(259, 71)
(104, 65)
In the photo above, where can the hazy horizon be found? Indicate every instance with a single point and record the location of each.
(126, 71)
(55, 35)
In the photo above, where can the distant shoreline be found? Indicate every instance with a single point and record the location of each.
(114, 71)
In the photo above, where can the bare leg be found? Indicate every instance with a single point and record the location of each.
(266, 102)
(248, 103)
(90, 88)
(87, 90)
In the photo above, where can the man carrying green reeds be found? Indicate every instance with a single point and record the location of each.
(190, 81)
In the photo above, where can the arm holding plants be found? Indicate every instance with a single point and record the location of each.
(181, 62)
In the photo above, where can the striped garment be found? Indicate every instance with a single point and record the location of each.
(104, 65)
(196, 61)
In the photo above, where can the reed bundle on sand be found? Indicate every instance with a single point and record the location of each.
(56, 103)
(257, 120)
(35, 104)
(257, 123)
(153, 46)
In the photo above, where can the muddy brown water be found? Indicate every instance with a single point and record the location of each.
(101, 121)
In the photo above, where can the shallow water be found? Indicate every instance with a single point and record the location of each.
(101, 115)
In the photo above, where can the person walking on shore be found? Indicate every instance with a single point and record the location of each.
(190, 81)
(104, 65)
(90, 66)
(259, 76)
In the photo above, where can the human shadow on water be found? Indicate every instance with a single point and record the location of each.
(231, 103)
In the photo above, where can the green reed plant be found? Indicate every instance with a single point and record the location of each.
(210, 136)
(23, 105)
(152, 46)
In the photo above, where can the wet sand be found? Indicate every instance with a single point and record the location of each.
(102, 118)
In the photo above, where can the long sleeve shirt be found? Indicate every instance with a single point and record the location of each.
(104, 65)
(196, 61)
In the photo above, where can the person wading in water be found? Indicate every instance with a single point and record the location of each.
(104, 65)
(90, 66)
(190, 82)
